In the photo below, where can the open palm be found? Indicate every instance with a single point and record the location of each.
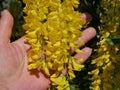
(13, 59)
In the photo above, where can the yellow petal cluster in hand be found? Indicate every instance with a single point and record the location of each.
(52, 28)
(61, 81)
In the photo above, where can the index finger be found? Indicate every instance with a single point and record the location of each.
(88, 34)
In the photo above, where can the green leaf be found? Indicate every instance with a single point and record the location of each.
(72, 87)
(113, 40)
(109, 41)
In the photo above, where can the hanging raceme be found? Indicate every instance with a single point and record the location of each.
(52, 28)
(105, 75)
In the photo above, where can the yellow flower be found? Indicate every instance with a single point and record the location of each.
(52, 28)
(34, 65)
(61, 81)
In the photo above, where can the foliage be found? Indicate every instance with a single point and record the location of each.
(110, 22)
(106, 57)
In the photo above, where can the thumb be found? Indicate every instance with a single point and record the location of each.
(6, 24)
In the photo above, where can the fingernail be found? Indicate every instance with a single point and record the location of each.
(92, 30)
(87, 17)
(88, 50)
(2, 12)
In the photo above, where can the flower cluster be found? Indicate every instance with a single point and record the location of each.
(52, 28)
(105, 75)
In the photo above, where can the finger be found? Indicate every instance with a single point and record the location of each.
(81, 58)
(88, 34)
(23, 43)
(6, 24)
(87, 17)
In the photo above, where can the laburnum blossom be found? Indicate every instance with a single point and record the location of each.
(52, 28)
(101, 61)
(105, 74)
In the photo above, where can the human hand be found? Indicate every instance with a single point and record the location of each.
(13, 57)
(14, 61)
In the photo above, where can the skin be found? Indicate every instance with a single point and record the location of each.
(14, 60)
